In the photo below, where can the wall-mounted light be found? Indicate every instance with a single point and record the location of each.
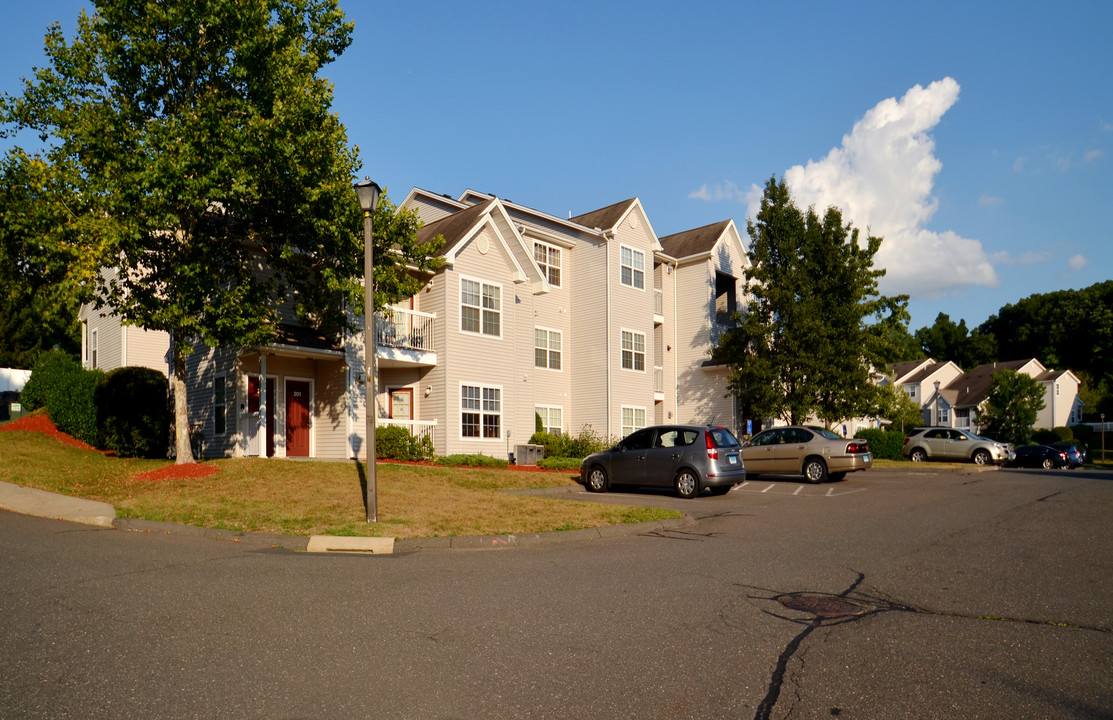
(428, 390)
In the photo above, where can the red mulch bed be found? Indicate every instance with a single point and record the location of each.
(41, 423)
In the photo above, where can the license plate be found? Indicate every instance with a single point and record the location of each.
(733, 459)
(867, 456)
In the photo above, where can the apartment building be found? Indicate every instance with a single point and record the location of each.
(586, 322)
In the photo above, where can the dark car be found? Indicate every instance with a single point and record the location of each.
(1039, 456)
(817, 454)
(688, 458)
(1076, 457)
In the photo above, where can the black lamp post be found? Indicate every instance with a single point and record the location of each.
(368, 193)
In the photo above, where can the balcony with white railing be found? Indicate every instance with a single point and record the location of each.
(417, 428)
(658, 305)
(404, 338)
(658, 383)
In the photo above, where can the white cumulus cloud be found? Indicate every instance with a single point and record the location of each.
(882, 178)
(718, 192)
(1077, 262)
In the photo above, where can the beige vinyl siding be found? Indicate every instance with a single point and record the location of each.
(587, 346)
(631, 309)
(329, 410)
(695, 285)
(552, 311)
(145, 348)
(475, 358)
(435, 298)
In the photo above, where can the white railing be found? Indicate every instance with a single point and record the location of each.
(408, 329)
(658, 301)
(417, 428)
(658, 379)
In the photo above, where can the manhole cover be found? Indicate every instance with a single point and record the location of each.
(822, 605)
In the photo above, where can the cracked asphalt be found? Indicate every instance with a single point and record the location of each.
(982, 596)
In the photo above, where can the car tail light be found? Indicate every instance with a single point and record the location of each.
(712, 448)
(907, 440)
(859, 446)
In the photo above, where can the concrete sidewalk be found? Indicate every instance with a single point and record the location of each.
(40, 503)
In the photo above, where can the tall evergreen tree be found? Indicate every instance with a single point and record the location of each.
(1012, 405)
(815, 328)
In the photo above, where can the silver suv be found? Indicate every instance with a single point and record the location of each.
(935, 443)
(688, 458)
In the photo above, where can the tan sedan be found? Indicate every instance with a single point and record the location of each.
(817, 454)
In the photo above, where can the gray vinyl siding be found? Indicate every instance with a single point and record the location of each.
(588, 349)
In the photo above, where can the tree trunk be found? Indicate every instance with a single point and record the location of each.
(182, 446)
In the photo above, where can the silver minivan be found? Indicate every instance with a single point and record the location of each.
(688, 458)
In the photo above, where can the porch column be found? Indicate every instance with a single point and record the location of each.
(261, 432)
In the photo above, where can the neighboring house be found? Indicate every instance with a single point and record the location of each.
(959, 402)
(589, 321)
(107, 343)
(918, 378)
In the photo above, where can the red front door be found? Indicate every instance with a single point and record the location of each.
(297, 418)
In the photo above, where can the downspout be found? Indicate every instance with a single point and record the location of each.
(675, 369)
(610, 358)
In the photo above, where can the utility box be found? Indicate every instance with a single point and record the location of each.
(528, 454)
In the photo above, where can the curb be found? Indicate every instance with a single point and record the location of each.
(52, 506)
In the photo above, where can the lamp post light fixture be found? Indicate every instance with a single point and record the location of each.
(368, 193)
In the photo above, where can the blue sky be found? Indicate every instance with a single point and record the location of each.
(976, 138)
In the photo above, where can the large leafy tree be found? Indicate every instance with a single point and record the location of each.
(815, 328)
(1012, 405)
(946, 340)
(189, 151)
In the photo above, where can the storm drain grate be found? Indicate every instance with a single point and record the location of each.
(826, 606)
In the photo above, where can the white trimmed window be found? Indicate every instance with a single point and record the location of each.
(480, 412)
(220, 405)
(546, 348)
(633, 268)
(633, 351)
(633, 418)
(548, 259)
(480, 308)
(552, 418)
(93, 349)
(911, 390)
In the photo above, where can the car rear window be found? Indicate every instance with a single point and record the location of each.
(723, 438)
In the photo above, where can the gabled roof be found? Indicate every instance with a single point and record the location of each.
(608, 217)
(699, 241)
(970, 388)
(454, 227)
(535, 218)
(899, 370)
(459, 228)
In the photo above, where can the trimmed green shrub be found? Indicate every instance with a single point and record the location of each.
(470, 461)
(560, 463)
(132, 412)
(884, 444)
(66, 390)
(1065, 434)
(395, 442)
(559, 445)
(1083, 434)
(1045, 436)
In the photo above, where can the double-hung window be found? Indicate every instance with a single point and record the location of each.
(548, 259)
(552, 419)
(480, 308)
(633, 418)
(546, 348)
(633, 351)
(633, 268)
(480, 411)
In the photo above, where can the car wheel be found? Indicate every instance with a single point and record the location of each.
(982, 458)
(597, 480)
(815, 470)
(1048, 464)
(918, 455)
(687, 484)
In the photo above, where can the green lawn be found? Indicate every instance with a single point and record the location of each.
(295, 497)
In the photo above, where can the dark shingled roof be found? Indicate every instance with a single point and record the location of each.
(453, 226)
(694, 242)
(604, 218)
(903, 368)
(970, 388)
